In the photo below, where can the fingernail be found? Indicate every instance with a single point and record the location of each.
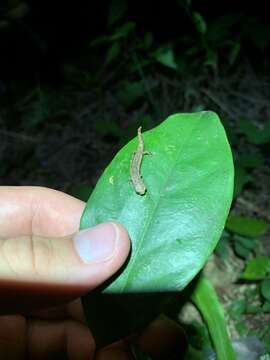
(96, 244)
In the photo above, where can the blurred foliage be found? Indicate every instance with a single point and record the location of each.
(202, 38)
(257, 268)
(237, 308)
(246, 226)
(212, 41)
(255, 135)
(12, 10)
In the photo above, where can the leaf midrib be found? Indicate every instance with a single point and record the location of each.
(124, 286)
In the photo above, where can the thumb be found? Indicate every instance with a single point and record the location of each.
(37, 272)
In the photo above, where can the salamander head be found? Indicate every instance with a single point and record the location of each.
(140, 188)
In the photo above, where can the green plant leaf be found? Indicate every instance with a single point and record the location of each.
(241, 179)
(124, 31)
(248, 243)
(266, 307)
(251, 160)
(234, 52)
(148, 40)
(174, 227)
(246, 226)
(100, 40)
(237, 308)
(198, 335)
(199, 22)
(165, 56)
(254, 134)
(120, 33)
(253, 309)
(265, 289)
(241, 250)
(223, 245)
(211, 59)
(243, 245)
(241, 328)
(257, 268)
(112, 53)
(204, 295)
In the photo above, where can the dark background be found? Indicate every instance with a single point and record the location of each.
(34, 46)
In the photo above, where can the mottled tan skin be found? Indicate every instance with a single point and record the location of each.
(135, 166)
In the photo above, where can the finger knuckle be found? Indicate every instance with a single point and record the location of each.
(26, 255)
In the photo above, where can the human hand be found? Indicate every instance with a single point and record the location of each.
(42, 276)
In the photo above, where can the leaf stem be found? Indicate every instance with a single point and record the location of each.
(205, 299)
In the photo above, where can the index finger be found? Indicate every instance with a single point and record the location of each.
(27, 210)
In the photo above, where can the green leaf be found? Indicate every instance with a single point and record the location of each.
(257, 268)
(265, 289)
(252, 160)
(191, 51)
(248, 243)
(223, 245)
(253, 309)
(100, 40)
(241, 328)
(246, 226)
(241, 250)
(198, 335)
(194, 354)
(120, 33)
(174, 227)
(237, 308)
(165, 56)
(41, 105)
(234, 52)
(243, 246)
(199, 22)
(266, 307)
(211, 59)
(241, 179)
(124, 30)
(254, 134)
(113, 52)
(148, 40)
(204, 295)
